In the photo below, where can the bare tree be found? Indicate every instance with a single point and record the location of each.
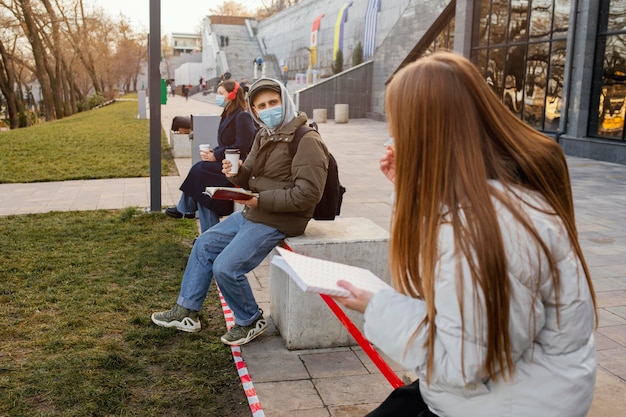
(131, 53)
(231, 8)
(80, 34)
(7, 82)
(26, 15)
(72, 52)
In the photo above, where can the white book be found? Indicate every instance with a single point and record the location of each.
(321, 276)
(229, 193)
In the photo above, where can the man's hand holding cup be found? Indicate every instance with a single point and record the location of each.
(231, 162)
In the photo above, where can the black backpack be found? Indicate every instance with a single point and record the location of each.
(330, 204)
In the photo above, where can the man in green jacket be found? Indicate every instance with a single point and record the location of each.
(288, 190)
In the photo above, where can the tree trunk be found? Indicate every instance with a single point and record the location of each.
(7, 81)
(39, 55)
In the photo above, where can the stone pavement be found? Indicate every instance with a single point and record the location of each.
(343, 382)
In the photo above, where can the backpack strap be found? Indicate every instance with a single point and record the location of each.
(300, 132)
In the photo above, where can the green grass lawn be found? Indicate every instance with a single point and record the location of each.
(110, 142)
(76, 293)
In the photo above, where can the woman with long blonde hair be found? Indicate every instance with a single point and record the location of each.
(493, 306)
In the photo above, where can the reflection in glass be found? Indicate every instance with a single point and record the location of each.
(480, 60)
(535, 86)
(540, 19)
(518, 22)
(443, 40)
(513, 92)
(613, 94)
(561, 17)
(481, 30)
(617, 15)
(499, 17)
(554, 93)
(495, 69)
(523, 58)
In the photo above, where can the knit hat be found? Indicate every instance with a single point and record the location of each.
(260, 85)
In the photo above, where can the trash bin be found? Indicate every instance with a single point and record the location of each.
(163, 91)
(203, 132)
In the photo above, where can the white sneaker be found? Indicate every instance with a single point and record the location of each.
(240, 335)
(179, 318)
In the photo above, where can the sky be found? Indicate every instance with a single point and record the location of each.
(176, 15)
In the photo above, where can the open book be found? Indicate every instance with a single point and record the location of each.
(321, 276)
(229, 193)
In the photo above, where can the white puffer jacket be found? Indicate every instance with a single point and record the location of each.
(555, 362)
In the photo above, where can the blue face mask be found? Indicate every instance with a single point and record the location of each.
(271, 117)
(220, 100)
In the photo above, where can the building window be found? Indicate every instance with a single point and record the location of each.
(519, 46)
(444, 39)
(608, 91)
(439, 36)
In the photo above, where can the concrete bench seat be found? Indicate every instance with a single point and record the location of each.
(303, 319)
(180, 144)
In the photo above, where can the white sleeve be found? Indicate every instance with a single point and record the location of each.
(391, 319)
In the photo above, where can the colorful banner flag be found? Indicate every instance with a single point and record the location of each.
(342, 17)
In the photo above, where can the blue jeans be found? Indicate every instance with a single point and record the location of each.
(188, 205)
(228, 251)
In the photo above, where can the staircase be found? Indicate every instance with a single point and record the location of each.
(241, 52)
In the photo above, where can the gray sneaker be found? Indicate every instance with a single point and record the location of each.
(240, 335)
(179, 317)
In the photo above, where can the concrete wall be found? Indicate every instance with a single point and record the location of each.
(352, 87)
(415, 21)
(286, 34)
(188, 73)
(401, 26)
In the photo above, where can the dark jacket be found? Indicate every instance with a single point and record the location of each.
(236, 131)
(288, 188)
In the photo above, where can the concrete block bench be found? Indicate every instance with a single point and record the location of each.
(303, 319)
(179, 142)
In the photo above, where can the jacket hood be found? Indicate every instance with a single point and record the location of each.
(289, 108)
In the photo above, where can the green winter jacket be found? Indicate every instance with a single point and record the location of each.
(289, 188)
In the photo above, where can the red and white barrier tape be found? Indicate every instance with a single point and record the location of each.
(242, 369)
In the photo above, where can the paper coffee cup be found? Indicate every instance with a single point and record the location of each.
(205, 148)
(233, 156)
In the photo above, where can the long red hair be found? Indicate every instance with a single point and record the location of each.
(452, 134)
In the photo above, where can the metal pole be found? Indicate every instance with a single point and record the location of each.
(154, 88)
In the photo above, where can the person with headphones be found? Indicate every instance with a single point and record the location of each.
(236, 131)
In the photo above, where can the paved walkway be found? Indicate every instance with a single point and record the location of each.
(342, 382)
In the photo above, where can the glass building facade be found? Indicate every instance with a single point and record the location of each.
(558, 65)
(609, 80)
(520, 46)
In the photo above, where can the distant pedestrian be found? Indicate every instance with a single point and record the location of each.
(173, 89)
(285, 75)
(226, 39)
(222, 41)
